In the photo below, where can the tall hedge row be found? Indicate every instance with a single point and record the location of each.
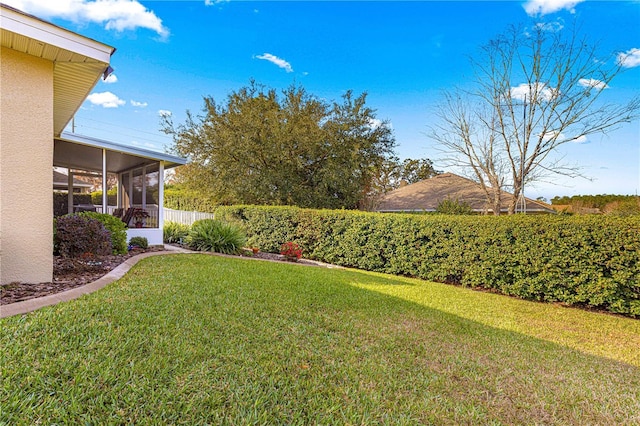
(577, 260)
(183, 199)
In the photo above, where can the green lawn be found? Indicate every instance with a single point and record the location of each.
(197, 339)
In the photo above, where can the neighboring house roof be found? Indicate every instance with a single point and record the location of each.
(79, 61)
(61, 181)
(427, 194)
(82, 152)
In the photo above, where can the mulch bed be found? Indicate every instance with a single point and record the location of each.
(67, 274)
(72, 273)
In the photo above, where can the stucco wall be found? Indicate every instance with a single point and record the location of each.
(26, 158)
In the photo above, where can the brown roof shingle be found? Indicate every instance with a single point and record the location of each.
(427, 194)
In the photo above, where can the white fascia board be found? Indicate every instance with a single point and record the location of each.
(44, 32)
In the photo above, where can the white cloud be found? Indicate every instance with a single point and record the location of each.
(139, 104)
(551, 27)
(164, 113)
(277, 61)
(111, 79)
(630, 58)
(214, 2)
(105, 100)
(592, 83)
(561, 138)
(544, 7)
(118, 15)
(526, 91)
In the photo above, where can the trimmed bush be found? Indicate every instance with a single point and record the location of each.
(180, 198)
(116, 227)
(141, 242)
(112, 197)
(217, 236)
(76, 235)
(174, 232)
(576, 260)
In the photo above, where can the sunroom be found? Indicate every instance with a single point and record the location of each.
(140, 176)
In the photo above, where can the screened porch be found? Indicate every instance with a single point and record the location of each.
(139, 176)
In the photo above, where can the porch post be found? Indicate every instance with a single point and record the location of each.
(119, 191)
(69, 191)
(144, 187)
(104, 181)
(161, 195)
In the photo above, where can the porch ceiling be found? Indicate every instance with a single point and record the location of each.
(81, 152)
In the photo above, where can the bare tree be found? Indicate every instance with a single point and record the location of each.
(535, 89)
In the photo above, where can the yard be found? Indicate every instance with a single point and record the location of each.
(198, 339)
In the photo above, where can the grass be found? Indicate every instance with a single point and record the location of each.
(197, 339)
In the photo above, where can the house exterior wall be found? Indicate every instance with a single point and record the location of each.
(26, 157)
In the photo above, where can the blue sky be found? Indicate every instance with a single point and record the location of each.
(403, 54)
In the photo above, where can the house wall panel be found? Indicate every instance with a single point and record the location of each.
(26, 156)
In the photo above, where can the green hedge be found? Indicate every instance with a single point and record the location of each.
(112, 197)
(182, 199)
(576, 260)
(60, 202)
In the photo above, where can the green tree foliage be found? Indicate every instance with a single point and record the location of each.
(261, 147)
(413, 171)
(591, 201)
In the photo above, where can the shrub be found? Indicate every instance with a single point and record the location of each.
(141, 242)
(449, 206)
(174, 232)
(77, 235)
(217, 236)
(116, 227)
(591, 260)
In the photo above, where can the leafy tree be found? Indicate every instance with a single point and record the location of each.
(261, 147)
(535, 89)
(412, 171)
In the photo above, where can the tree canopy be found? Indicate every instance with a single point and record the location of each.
(287, 148)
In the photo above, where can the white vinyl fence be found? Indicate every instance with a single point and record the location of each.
(185, 217)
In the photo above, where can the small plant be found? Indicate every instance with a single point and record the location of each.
(457, 207)
(140, 242)
(214, 235)
(174, 232)
(116, 227)
(77, 236)
(291, 251)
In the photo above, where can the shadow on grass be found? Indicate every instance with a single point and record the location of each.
(197, 339)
